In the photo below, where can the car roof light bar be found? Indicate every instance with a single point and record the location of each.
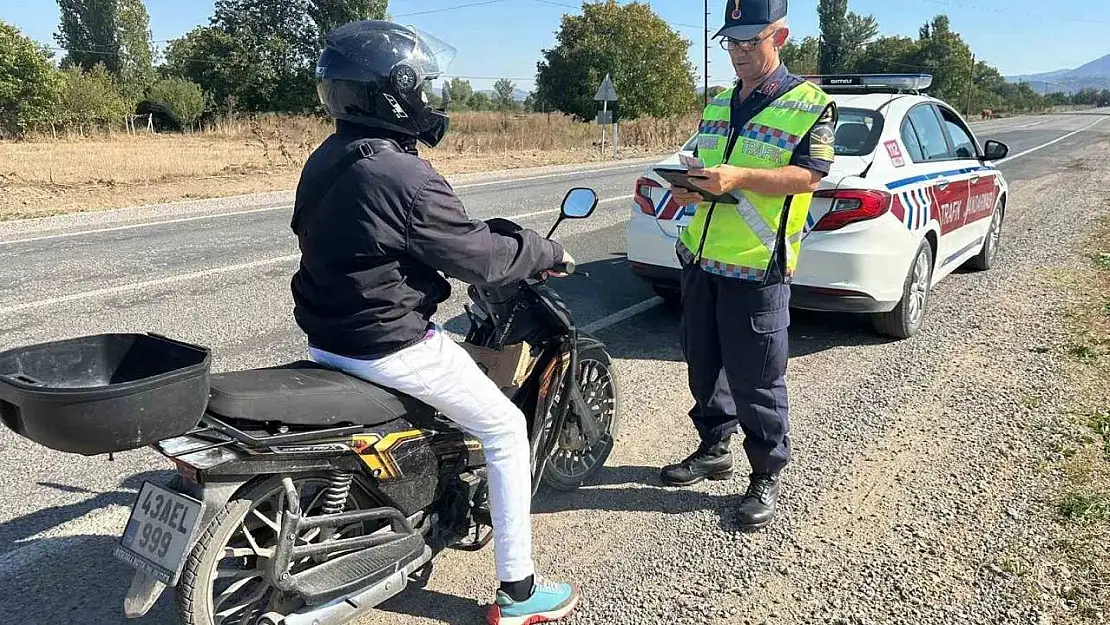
(872, 83)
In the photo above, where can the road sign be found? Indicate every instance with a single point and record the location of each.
(607, 92)
(605, 117)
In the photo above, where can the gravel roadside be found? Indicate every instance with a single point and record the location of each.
(916, 495)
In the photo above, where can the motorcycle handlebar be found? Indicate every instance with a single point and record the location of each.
(567, 267)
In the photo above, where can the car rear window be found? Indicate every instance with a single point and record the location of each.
(857, 131)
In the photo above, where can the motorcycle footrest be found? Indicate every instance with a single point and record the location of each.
(352, 571)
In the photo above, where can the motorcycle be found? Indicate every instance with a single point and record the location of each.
(303, 495)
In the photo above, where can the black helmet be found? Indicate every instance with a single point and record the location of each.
(374, 73)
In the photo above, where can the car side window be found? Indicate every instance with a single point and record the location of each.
(930, 133)
(961, 139)
(913, 146)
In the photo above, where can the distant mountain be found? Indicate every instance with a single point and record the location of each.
(1095, 74)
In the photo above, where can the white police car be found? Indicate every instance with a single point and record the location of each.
(911, 197)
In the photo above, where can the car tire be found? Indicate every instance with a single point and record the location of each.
(908, 316)
(672, 296)
(989, 253)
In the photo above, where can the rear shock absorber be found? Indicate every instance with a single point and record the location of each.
(335, 499)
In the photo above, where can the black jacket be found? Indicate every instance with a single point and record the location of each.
(375, 229)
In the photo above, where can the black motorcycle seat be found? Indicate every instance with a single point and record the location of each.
(306, 393)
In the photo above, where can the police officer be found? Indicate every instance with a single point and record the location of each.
(767, 142)
(376, 225)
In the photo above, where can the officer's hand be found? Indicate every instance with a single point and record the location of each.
(685, 197)
(720, 179)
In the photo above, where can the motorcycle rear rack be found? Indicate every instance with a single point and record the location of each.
(212, 427)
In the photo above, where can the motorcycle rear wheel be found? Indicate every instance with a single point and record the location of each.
(235, 546)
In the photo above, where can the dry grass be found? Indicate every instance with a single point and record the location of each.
(1084, 505)
(44, 176)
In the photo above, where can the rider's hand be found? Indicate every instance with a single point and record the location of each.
(567, 258)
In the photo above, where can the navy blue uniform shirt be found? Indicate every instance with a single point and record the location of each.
(821, 136)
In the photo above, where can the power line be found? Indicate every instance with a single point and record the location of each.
(568, 6)
(450, 8)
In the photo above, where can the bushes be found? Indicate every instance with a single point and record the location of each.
(28, 83)
(184, 99)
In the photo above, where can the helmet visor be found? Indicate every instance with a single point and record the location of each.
(430, 56)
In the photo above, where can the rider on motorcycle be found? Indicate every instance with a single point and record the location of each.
(376, 224)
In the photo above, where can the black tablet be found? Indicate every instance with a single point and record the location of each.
(680, 177)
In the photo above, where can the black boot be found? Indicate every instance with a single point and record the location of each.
(712, 462)
(757, 508)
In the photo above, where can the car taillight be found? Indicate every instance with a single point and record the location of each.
(642, 195)
(852, 205)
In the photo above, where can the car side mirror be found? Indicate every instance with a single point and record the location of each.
(579, 203)
(995, 150)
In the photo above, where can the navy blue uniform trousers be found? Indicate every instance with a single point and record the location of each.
(734, 339)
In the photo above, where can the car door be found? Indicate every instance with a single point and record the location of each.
(982, 189)
(939, 190)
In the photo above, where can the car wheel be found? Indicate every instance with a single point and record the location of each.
(907, 318)
(985, 259)
(672, 296)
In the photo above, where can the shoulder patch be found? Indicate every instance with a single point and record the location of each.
(822, 135)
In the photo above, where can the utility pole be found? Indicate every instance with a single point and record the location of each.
(705, 93)
(970, 84)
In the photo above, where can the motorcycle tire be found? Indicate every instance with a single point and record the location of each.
(591, 356)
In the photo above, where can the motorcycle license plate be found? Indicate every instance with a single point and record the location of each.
(159, 532)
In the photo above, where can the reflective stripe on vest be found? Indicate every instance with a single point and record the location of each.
(741, 242)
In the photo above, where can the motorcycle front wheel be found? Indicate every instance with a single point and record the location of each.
(573, 459)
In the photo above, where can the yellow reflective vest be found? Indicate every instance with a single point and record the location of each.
(741, 239)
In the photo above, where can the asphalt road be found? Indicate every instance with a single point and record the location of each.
(217, 273)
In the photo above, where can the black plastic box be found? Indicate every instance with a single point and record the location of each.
(104, 393)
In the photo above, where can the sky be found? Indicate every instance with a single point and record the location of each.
(505, 38)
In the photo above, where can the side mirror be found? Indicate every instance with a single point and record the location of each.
(995, 150)
(579, 203)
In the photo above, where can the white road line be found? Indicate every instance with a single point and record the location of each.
(125, 288)
(147, 224)
(1054, 141)
(622, 315)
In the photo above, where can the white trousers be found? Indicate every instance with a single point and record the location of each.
(443, 375)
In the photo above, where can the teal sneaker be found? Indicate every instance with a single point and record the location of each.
(549, 602)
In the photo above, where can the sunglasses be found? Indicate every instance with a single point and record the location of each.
(747, 45)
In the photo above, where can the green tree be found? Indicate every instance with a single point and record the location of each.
(949, 58)
(646, 59)
(28, 83)
(459, 92)
(136, 63)
(262, 54)
(91, 97)
(859, 31)
(327, 14)
(480, 101)
(888, 55)
(832, 16)
(217, 61)
(802, 58)
(184, 98)
(504, 94)
(89, 34)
